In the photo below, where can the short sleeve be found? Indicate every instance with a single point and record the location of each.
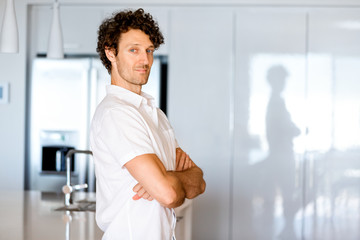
(125, 134)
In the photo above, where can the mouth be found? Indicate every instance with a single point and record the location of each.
(141, 70)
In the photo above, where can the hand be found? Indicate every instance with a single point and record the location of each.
(183, 161)
(141, 193)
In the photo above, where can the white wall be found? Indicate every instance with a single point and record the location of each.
(12, 115)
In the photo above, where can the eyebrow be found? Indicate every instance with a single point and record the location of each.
(137, 44)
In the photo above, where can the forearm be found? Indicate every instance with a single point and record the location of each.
(169, 188)
(154, 182)
(176, 196)
(192, 181)
(171, 197)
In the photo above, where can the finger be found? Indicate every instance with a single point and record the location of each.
(193, 164)
(182, 161)
(186, 161)
(180, 165)
(178, 156)
(189, 162)
(178, 152)
(146, 195)
(141, 192)
(137, 187)
(136, 197)
(150, 198)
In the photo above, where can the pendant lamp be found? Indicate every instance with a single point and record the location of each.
(9, 40)
(55, 45)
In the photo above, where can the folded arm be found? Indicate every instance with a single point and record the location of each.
(155, 181)
(189, 174)
(169, 188)
(192, 181)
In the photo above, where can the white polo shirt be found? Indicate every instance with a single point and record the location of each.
(126, 125)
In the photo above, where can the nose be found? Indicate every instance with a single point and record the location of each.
(144, 58)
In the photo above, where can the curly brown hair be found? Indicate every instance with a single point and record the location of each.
(111, 28)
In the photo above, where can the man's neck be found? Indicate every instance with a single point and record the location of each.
(124, 84)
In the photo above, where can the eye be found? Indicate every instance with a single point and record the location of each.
(151, 51)
(133, 50)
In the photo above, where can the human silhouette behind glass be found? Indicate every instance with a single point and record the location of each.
(280, 163)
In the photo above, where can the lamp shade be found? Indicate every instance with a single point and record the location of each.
(9, 41)
(55, 44)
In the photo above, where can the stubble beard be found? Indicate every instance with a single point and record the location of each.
(139, 78)
(134, 77)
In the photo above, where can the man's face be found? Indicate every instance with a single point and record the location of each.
(134, 58)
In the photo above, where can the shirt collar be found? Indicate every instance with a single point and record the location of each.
(130, 97)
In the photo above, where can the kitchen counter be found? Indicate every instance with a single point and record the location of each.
(32, 215)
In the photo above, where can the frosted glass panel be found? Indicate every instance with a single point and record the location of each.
(333, 196)
(347, 103)
(200, 69)
(269, 123)
(277, 99)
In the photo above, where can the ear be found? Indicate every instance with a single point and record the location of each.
(110, 54)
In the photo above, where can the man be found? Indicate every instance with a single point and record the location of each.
(141, 172)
